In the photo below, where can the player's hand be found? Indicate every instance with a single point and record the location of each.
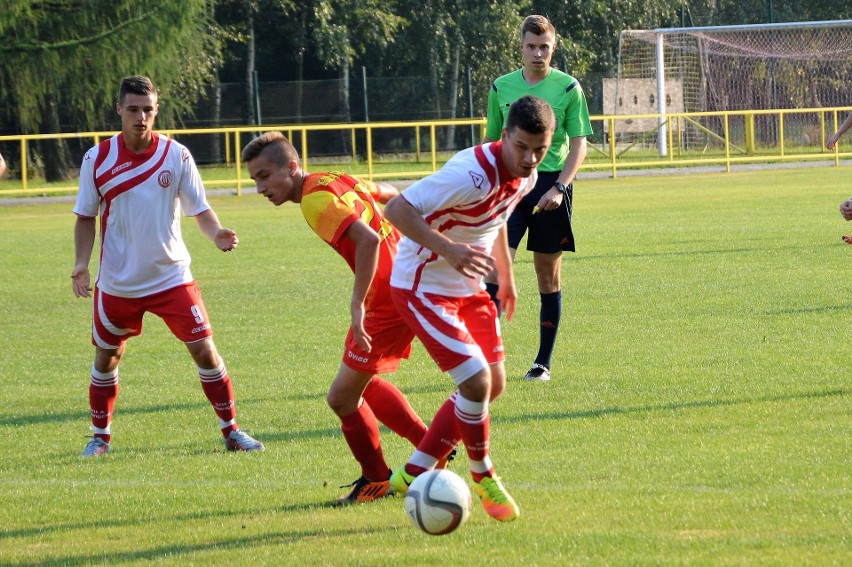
(469, 261)
(830, 143)
(550, 201)
(507, 294)
(81, 282)
(846, 209)
(226, 239)
(362, 339)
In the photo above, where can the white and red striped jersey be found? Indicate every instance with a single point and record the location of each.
(139, 198)
(468, 201)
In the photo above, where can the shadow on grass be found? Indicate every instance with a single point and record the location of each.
(822, 309)
(88, 526)
(83, 414)
(177, 552)
(669, 407)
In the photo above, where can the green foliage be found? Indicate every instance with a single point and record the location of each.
(70, 55)
(698, 414)
(345, 29)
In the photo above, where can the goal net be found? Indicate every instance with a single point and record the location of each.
(730, 68)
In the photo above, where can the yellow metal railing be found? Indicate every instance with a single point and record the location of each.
(614, 147)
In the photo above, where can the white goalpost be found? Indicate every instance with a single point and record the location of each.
(724, 68)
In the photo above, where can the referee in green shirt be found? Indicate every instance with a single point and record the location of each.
(546, 210)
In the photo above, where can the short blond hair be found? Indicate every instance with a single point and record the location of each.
(275, 145)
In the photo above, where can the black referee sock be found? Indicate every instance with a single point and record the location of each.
(551, 313)
(492, 289)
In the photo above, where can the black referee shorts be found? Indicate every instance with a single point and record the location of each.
(549, 231)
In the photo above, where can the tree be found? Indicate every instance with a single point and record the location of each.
(346, 29)
(61, 60)
(439, 35)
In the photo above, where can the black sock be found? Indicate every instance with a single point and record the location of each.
(551, 313)
(492, 288)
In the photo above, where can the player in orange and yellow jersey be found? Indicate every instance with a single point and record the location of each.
(344, 211)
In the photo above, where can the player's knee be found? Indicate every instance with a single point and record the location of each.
(341, 403)
(477, 387)
(204, 353)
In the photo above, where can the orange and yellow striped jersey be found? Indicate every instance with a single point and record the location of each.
(331, 202)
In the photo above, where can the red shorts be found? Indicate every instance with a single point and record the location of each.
(461, 334)
(391, 342)
(118, 318)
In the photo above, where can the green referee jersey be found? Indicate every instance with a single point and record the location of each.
(564, 94)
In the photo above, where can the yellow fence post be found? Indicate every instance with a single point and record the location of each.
(670, 136)
(354, 149)
(304, 132)
(781, 131)
(434, 148)
(237, 158)
(369, 153)
(417, 143)
(24, 163)
(727, 145)
(749, 133)
(612, 145)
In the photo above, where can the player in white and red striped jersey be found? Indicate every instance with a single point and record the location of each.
(454, 227)
(135, 186)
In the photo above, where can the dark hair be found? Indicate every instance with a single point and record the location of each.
(136, 84)
(538, 25)
(278, 148)
(531, 114)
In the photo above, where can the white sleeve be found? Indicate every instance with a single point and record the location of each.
(459, 182)
(88, 199)
(193, 199)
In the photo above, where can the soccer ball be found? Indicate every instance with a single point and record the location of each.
(438, 502)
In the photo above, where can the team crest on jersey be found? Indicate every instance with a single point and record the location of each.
(326, 180)
(477, 179)
(165, 178)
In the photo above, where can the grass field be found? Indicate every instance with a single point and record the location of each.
(699, 412)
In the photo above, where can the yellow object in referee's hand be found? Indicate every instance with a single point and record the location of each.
(535, 210)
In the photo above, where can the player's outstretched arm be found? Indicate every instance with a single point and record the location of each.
(84, 240)
(224, 238)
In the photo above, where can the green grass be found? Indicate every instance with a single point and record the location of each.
(699, 412)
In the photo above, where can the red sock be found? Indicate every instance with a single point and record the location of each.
(217, 387)
(391, 407)
(361, 431)
(443, 434)
(474, 424)
(103, 391)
